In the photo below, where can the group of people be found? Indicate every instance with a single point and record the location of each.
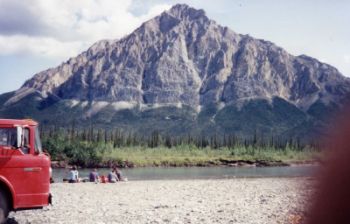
(113, 176)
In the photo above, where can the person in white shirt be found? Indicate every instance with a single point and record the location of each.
(73, 175)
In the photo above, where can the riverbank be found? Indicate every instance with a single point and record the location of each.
(187, 156)
(253, 200)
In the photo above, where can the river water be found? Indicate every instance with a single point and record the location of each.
(177, 173)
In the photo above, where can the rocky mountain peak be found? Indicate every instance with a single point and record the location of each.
(183, 11)
(183, 58)
(181, 72)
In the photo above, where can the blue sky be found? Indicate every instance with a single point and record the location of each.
(39, 34)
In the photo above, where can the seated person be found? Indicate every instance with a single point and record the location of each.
(94, 177)
(73, 175)
(119, 174)
(112, 177)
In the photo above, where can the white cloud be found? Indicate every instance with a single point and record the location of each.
(68, 27)
(347, 59)
(41, 46)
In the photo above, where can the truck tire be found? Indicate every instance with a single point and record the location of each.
(4, 207)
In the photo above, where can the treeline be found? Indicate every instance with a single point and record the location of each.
(88, 147)
(120, 138)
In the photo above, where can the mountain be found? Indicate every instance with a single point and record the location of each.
(180, 73)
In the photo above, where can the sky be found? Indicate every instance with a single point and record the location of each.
(39, 34)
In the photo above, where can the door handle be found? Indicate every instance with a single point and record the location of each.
(32, 169)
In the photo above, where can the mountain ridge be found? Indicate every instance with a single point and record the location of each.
(181, 58)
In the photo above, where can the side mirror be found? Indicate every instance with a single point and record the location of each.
(19, 137)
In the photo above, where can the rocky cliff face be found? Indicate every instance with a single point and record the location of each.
(183, 58)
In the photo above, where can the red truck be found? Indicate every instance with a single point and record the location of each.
(25, 170)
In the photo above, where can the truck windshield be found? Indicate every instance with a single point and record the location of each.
(8, 137)
(38, 147)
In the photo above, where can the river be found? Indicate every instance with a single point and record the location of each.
(176, 173)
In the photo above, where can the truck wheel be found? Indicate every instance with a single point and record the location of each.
(4, 210)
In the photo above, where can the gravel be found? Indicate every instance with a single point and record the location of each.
(254, 200)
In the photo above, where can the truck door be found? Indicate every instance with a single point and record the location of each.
(22, 166)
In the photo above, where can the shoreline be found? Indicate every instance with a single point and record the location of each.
(297, 178)
(199, 173)
(218, 163)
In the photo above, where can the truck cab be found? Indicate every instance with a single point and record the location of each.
(25, 170)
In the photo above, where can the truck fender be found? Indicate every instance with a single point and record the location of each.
(7, 186)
